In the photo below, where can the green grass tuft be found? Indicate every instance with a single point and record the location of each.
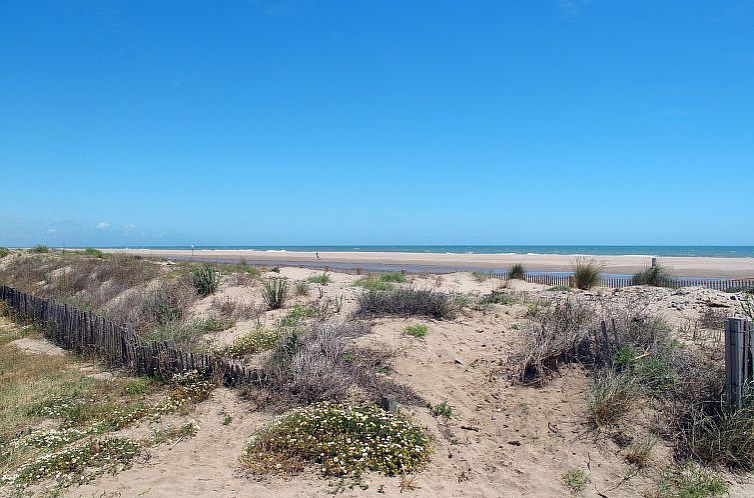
(205, 279)
(516, 271)
(323, 279)
(419, 330)
(656, 276)
(586, 273)
(275, 293)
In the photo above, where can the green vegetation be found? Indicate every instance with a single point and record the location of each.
(40, 249)
(256, 341)
(275, 292)
(185, 335)
(373, 284)
(586, 273)
(301, 289)
(691, 481)
(172, 433)
(497, 297)
(576, 480)
(345, 440)
(656, 276)
(296, 314)
(442, 410)
(639, 451)
(90, 251)
(4, 251)
(419, 330)
(481, 276)
(206, 280)
(323, 279)
(517, 271)
(612, 396)
(408, 302)
(395, 277)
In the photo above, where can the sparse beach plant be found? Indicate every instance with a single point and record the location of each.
(418, 330)
(275, 292)
(90, 251)
(322, 279)
(612, 396)
(517, 272)
(576, 480)
(640, 450)
(343, 439)
(40, 249)
(301, 289)
(586, 272)
(373, 284)
(408, 302)
(258, 340)
(442, 410)
(296, 314)
(4, 251)
(691, 481)
(656, 276)
(481, 276)
(497, 297)
(206, 280)
(394, 277)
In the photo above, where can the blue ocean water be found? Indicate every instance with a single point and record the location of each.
(602, 250)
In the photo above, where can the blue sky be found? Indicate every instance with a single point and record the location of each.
(390, 122)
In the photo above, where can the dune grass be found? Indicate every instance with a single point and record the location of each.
(516, 271)
(206, 280)
(408, 302)
(656, 276)
(586, 272)
(322, 279)
(275, 293)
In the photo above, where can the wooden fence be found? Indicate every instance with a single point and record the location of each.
(556, 279)
(88, 334)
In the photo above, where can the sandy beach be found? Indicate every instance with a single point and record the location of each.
(679, 266)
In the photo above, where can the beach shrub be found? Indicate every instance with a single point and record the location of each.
(373, 284)
(497, 297)
(656, 276)
(586, 273)
(90, 251)
(394, 277)
(517, 271)
(323, 279)
(275, 292)
(408, 302)
(343, 439)
(4, 251)
(40, 249)
(419, 330)
(206, 280)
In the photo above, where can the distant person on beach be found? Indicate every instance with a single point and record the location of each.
(317, 254)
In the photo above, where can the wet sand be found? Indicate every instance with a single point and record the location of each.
(678, 266)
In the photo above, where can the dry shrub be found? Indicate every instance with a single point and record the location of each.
(321, 364)
(408, 302)
(611, 397)
(235, 309)
(144, 307)
(570, 331)
(713, 318)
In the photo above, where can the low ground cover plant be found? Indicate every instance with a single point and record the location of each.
(258, 340)
(322, 279)
(418, 330)
(497, 297)
(342, 439)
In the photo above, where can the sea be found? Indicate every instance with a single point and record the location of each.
(596, 250)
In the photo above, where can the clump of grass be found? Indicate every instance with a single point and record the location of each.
(442, 410)
(612, 396)
(234, 309)
(323, 279)
(408, 302)
(722, 435)
(419, 330)
(394, 277)
(481, 276)
(691, 481)
(256, 341)
(576, 480)
(40, 249)
(4, 251)
(206, 280)
(657, 276)
(639, 451)
(343, 439)
(516, 271)
(296, 314)
(586, 272)
(90, 251)
(373, 284)
(172, 433)
(275, 292)
(301, 289)
(497, 297)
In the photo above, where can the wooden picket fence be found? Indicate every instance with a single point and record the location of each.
(89, 334)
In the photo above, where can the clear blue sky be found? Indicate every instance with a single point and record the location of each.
(380, 122)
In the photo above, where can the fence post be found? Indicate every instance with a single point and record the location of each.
(654, 262)
(737, 357)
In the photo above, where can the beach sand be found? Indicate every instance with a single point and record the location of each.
(678, 266)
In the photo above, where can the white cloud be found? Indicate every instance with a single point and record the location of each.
(51, 231)
(103, 225)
